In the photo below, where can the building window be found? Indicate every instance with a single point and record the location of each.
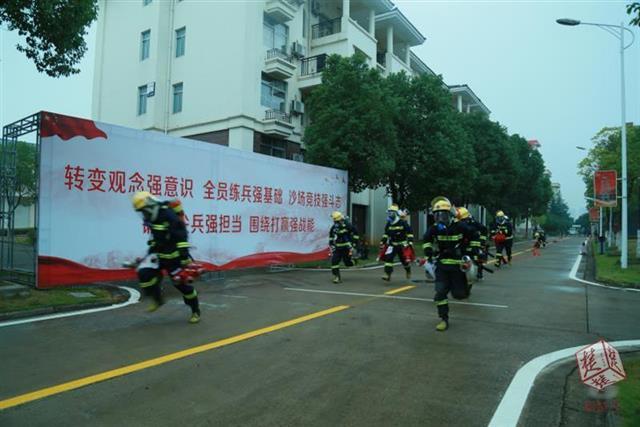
(275, 35)
(145, 42)
(181, 35)
(142, 100)
(273, 93)
(273, 147)
(146, 2)
(177, 98)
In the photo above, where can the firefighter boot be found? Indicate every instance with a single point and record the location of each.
(195, 317)
(407, 271)
(443, 325)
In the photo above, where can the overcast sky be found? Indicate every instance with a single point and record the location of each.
(553, 83)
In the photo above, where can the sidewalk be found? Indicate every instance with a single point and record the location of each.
(559, 398)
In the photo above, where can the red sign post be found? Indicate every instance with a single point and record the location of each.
(594, 214)
(605, 187)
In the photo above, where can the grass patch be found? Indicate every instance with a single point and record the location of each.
(629, 394)
(608, 267)
(53, 298)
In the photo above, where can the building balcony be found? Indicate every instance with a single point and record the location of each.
(311, 71)
(343, 37)
(277, 124)
(281, 10)
(326, 28)
(278, 65)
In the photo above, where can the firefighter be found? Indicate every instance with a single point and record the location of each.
(445, 241)
(502, 233)
(343, 237)
(396, 240)
(168, 251)
(475, 248)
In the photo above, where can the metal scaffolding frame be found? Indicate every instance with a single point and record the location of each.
(8, 190)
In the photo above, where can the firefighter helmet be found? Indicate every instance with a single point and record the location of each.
(441, 204)
(394, 208)
(462, 213)
(337, 216)
(141, 199)
(500, 213)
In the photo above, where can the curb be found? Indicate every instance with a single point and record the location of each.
(119, 298)
(124, 296)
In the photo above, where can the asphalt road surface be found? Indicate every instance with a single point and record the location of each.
(291, 348)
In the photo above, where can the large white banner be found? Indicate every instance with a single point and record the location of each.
(243, 209)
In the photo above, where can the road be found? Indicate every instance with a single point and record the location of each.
(370, 354)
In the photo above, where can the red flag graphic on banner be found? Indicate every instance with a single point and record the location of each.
(67, 127)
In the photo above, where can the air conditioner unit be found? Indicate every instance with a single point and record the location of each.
(298, 50)
(297, 107)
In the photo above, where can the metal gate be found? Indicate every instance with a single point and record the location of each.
(18, 253)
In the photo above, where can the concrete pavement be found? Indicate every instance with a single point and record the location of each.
(379, 362)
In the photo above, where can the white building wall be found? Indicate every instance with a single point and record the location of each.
(220, 70)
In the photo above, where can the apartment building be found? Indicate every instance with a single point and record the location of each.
(237, 73)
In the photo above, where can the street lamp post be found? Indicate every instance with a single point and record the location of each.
(623, 128)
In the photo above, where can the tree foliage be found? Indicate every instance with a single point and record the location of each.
(25, 188)
(428, 131)
(351, 126)
(403, 133)
(605, 154)
(633, 9)
(54, 31)
(557, 219)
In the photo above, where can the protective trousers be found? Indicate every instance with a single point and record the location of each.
(508, 245)
(449, 278)
(340, 254)
(390, 255)
(151, 279)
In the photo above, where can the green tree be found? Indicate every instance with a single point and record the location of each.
(634, 9)
(433, 155)
(584, 222)
(557, 219)
(54, 31)
(351, 126)
(605, 154)
(530, 192)
(25, 189)
(495, 160)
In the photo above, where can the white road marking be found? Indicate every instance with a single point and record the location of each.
(514, 399)
(574, 271)
(510, 407)
(319, 291)
(134, 297)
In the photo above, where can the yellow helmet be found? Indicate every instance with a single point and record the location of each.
(393, 208)
(337, 216)
(141, 199)
(462, 213)
(441, 204)
(499, 213)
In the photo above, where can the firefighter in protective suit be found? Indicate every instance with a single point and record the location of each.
(502, 232)
(397, 237)
(477, 246)
(446, 241)
(168, 251)
(343, 237)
